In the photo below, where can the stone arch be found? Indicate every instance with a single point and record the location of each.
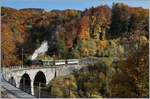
(25, 83)
(39, 84)
(12, 81)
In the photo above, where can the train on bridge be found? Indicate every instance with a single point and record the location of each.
(52, 62)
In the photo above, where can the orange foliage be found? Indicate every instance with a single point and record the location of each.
(103, 44)
(8, 47)
(83, 33)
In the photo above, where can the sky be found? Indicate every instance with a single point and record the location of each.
(69, 4)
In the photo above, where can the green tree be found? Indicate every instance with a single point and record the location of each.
(120, 18)
(62, 49)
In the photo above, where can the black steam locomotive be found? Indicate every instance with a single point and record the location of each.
(34, 62)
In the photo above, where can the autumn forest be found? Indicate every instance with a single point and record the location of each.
(121, 31)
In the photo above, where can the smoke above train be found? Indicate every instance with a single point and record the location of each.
(41, 50)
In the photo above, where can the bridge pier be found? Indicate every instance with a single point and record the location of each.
(32, 87)
(17, 83)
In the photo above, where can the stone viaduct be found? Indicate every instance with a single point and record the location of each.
(27, 79)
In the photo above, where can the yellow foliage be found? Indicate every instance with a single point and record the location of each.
(142, 40)
(103, 44)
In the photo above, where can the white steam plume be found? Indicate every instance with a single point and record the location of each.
(41, 50)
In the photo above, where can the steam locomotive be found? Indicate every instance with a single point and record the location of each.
(34, 63)
(52, 62)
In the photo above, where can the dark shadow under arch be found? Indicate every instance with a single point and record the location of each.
(25, 83)
(39, 85)
(12, 81)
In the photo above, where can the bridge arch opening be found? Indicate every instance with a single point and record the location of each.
(40, 85)
(12, 81)
(25, 83)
